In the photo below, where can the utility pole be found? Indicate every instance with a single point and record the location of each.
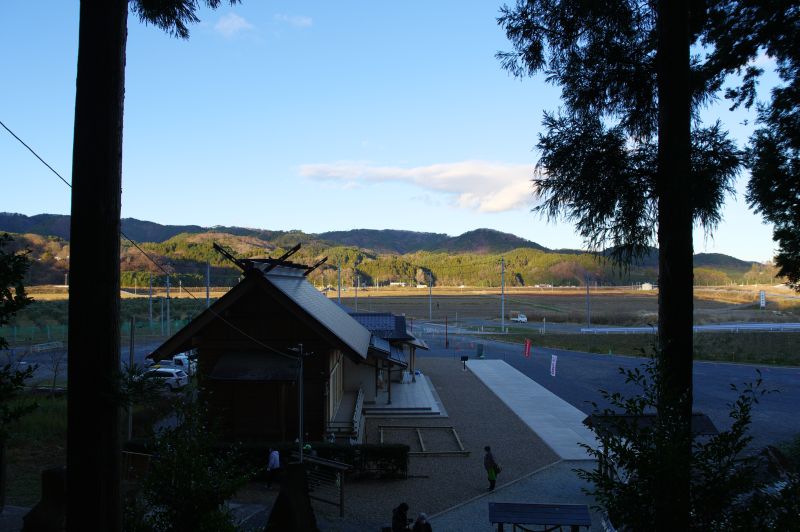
(150, 301)
(502, 295)
(208, 284)
(300, 390)
(339, 279)
(588, 302)
(299, 350)
(430, 296)
(358, 281)
(130, 368)
(169, 325)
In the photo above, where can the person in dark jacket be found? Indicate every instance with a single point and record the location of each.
(422, 524)
(400, 518)
(491, 466)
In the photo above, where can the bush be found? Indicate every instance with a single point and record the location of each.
(726, 493)
(188, 480)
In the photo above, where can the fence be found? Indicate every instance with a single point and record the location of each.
(18, 335)
(325, 480)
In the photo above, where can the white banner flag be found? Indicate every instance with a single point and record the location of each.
(553, 365)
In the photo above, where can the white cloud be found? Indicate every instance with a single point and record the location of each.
(478, 185)
(297, 21)
(231, 24)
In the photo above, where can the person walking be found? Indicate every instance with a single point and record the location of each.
(273, 465)
(491, 466)
(400, 518)
(422, 524)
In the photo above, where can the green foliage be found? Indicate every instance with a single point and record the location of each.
(13, 267)
(188, 480)
(724, 481)
(12, 382)
(173, 16)
(709, 277)
(12, 299)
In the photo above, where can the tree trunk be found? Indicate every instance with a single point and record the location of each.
(2, 475)
(675, 263)
(93, 430)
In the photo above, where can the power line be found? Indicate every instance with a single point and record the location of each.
(35, 154)
(136, 245)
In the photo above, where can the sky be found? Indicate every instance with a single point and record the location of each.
(314, 115)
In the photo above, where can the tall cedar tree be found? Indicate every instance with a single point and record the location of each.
(93, 433)
(627, 160)
(741, 33)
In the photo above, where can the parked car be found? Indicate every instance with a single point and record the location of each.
(185, 361)
(173, 378)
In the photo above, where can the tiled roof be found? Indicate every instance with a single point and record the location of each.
(384, 324)
(294, 285)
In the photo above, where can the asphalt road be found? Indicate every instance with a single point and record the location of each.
(48, 361)
(579, 376)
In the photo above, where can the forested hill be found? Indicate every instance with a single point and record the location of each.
(387, 240)
(471, 259)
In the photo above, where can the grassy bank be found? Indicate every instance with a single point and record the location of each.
(777, 348)
(38, 442)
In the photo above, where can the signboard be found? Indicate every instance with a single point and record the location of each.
(527, 347)
(553, 360)
(762, 296)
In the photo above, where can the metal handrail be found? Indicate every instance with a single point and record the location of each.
(357, 410)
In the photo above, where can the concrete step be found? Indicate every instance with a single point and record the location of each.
(401, 411)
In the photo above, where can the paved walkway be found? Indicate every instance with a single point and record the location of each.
(554, 420)
(419, 395)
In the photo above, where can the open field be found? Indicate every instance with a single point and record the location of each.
(608, 306)
(46, 319)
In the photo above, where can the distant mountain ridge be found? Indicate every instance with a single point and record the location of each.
(379, 240)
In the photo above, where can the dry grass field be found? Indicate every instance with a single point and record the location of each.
(609, 305)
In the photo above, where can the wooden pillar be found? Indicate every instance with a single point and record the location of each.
(389, 382)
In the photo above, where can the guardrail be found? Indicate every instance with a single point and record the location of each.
(47, 346)
(726, 327)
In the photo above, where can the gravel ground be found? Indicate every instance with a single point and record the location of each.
(555, 484)
(437, 483)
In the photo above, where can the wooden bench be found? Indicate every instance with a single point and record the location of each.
(549, 516)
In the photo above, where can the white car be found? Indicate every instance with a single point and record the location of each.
(173, 378)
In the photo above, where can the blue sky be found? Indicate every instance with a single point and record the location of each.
(316, 116)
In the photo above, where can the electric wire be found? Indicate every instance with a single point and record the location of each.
(151, 259)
